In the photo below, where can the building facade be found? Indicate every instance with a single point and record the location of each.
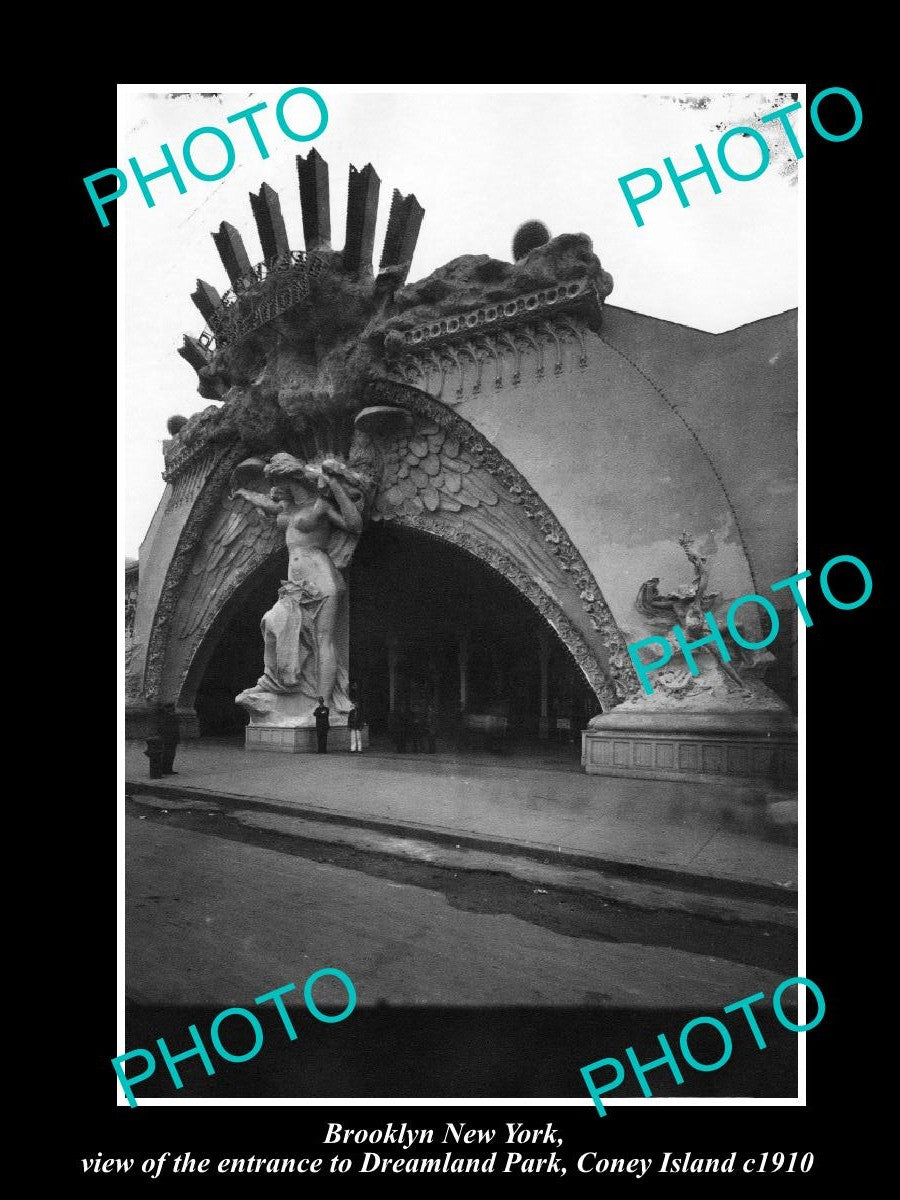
(523, 457)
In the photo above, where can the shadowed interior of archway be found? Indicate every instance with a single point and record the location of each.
(429, 623)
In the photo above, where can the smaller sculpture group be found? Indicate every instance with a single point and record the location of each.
(687, 607)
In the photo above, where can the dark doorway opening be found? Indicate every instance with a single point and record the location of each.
(429, 625)
(236, 663)
(432, 625)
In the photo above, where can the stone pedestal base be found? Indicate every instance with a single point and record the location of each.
(296, 740)
(699, 747)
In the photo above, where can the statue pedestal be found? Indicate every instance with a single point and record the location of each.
(702, 747)
(298, 739)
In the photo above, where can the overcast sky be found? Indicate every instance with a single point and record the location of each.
(480, 162)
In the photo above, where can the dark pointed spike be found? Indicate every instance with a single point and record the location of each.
(404, 224)
(270, 223)
(232, 253)
(362, 211)
(314, 200)
(207, 299)
(391, 249)
(413, 216)
(192, 352)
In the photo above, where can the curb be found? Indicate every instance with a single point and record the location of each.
(679, 880)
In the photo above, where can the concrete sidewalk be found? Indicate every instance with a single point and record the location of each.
(691, 836)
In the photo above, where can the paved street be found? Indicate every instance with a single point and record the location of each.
(703, 830)
(469, 983)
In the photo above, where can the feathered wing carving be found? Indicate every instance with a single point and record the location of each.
(427, 470)
(341, 547)
(239, 534)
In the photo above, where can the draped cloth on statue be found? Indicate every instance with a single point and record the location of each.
(306, 633)
(290, 656)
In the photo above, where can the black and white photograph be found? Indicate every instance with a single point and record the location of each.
(463, 728)
(381, 711)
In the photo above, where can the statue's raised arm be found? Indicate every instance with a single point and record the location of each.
(247, 480)
(266, 503)
(347, 516)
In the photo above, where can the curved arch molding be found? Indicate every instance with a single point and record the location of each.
(610, 672)
(202, 512)
(550, 610)
(549, 572)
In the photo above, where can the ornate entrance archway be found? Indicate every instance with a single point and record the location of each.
(429, 623)
(491, 513)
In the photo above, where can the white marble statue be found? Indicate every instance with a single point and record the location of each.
(320, 508)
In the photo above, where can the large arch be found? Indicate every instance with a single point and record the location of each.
(458, 607)
(222, 546)
(256, 589)
(247, 578)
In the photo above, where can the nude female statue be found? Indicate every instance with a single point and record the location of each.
(319, 509)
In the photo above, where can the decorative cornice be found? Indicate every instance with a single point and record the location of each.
(568, 295)
(456, 361)
(482, 357)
